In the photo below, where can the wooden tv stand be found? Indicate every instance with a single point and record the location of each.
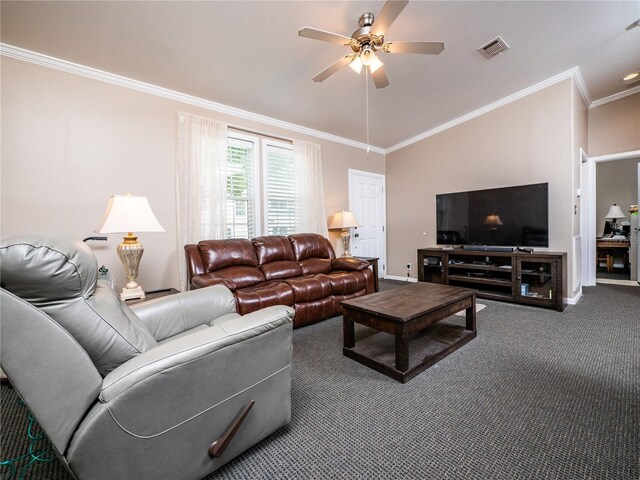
(537, 279)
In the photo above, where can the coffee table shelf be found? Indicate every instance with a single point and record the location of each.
(410, 338)
(427, 348)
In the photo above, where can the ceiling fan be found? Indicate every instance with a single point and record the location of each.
(368, 40)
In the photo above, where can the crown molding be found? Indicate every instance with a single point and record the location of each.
(572, 73)
(113, 79)
(616, 156)
(582, 87)
(615, 96)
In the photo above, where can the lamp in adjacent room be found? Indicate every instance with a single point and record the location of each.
(344, 221)
(493, 222)
(128, 214)
(614, 214)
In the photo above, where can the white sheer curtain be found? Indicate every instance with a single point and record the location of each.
(311, 215)
(201, 182)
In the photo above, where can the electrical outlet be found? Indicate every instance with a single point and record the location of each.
(408, 266)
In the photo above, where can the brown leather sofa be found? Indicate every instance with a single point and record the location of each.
(300, 271)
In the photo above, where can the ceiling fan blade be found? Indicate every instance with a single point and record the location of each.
(316, 34)
(430, 48)
(333, 68)
(379, 78)
(387, 15)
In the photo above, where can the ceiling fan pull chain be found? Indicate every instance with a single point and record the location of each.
(366, 88)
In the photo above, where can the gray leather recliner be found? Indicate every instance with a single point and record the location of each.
(140, 392)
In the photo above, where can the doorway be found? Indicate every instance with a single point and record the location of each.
(612, 248)
(367, 201)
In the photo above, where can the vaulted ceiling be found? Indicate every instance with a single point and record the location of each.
(248, 54)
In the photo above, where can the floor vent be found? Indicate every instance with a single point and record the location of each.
(494, 47)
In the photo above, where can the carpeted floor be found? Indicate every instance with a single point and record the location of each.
(538, 394)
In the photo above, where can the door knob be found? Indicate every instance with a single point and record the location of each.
(356, 234)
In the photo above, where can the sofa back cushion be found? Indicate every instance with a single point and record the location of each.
(275, 257)
(219, 254)
(313, 252)
(271, 248)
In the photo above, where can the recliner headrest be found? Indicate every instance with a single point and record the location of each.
(39, 269)
(59, 276)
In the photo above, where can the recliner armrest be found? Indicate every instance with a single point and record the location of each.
(348, 263)
(174, 314)
(185, 352)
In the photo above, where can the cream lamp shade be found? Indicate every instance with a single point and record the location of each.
(615, 212)
(128, 214)
(344, 221)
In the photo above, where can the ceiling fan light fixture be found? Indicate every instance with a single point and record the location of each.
(356, 64)
(374, 62)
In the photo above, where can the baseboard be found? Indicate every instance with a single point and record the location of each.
(574, 300)
(402, 279)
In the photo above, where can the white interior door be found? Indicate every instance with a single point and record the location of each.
(367, 202)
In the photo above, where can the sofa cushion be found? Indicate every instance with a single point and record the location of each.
(240, 277)
(218, 254)
(281, 269)
(313, 266)
(271, 248)
(346, 283)
(264, 295)
(311, 245)
(310, 287)
(309, 312)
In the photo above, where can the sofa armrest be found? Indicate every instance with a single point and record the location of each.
(194, 260)
(157, 374)
(210, 279)
(174, 314)
(348, 263)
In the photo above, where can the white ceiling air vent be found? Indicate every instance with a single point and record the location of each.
(494, 47)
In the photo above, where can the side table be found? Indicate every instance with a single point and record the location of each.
(151, 295)
(374, 264)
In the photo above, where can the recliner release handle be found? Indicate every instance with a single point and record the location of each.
(218, 447)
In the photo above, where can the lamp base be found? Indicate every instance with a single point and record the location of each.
(346, 239)
(131, 293)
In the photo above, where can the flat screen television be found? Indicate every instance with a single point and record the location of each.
(508, 216)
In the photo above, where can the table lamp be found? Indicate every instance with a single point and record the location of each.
(126, 214)
(344, 221)
(614, 214)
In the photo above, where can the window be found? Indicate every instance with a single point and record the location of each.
(279, 187)
(249, 160)
(240, 211)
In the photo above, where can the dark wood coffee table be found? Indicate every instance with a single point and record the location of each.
(411, 315)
